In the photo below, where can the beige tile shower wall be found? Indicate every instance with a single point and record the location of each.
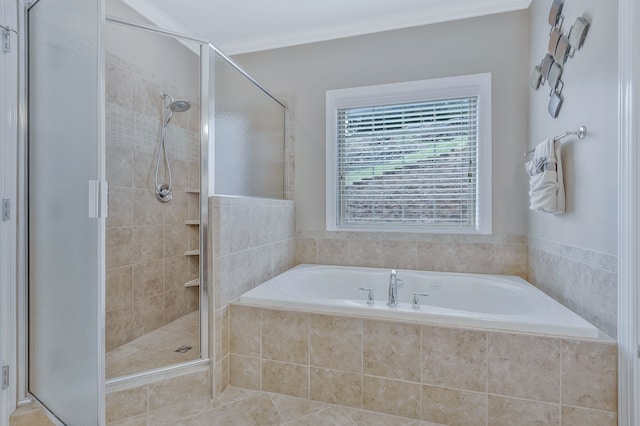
(583, 280)
(252, 242)
(443, 375)
(486, 254)
(146, 239)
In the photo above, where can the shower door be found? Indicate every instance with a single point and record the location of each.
(66, 215)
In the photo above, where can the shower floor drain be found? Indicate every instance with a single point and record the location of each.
(183, 349)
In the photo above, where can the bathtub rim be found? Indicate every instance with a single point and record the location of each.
(407, 316)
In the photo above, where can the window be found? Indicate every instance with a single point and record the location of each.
(410, 156)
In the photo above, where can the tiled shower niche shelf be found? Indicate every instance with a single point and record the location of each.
(196, 252)
(192, 283)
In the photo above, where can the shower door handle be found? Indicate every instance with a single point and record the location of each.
(98, 199)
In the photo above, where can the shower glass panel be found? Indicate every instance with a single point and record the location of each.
(249, 135)
(154, 299)
(66, 256)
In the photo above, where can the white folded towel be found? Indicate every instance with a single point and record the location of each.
(546, 184)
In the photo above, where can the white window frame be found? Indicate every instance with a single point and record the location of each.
(414, 91)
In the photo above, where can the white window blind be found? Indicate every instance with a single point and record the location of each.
(411, 164)
(410, 157)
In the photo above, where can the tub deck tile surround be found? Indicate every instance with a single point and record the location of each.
(391, 349)
(454, 358)
(335, 342)
(493, 254)
(444, 375)
(524, 366)
(583, 280)
(454, 407)
(336, 387)
(285, 336)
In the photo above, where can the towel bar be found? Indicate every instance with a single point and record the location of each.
(581, 133)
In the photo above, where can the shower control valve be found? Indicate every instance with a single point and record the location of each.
(164, 193)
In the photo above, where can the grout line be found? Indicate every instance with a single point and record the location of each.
(308, 356)
(146, 389)
(276, 407)
(261, 312)
(362, 322)
(408, 382)
(560, 344)
(486, 374)
(589, 409)
(421, 366)
(493, 249)
(517, 398)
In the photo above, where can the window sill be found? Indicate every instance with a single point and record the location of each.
(486, 230)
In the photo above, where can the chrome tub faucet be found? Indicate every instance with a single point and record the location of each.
(394, 283)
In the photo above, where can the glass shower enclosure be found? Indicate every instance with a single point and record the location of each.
(112, 258)
(155, 288)
(66, 214)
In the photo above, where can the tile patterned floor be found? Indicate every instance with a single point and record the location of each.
(240, 407)
(157, 348)
(30, 415)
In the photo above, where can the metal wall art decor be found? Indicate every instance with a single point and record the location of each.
(561, 47)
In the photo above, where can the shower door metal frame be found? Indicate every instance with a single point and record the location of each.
(9, 76)
(206, 130)
(628, 213)
(205, 134)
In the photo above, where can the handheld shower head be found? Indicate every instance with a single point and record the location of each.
(179, 105)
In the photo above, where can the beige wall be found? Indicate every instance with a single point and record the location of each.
(496, 44)
(147, 240)
(162, 56)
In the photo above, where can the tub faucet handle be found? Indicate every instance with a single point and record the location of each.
(416, 301)
(370, 299)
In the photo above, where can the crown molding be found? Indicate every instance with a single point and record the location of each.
(442, 11)
(433, 14)
(160, 19)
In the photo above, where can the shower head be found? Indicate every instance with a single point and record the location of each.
(179, 105)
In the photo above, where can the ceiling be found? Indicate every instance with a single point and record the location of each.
(241, 26)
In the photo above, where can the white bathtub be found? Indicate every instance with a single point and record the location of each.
(493, 302)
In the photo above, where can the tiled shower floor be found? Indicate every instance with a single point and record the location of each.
(157, 348)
